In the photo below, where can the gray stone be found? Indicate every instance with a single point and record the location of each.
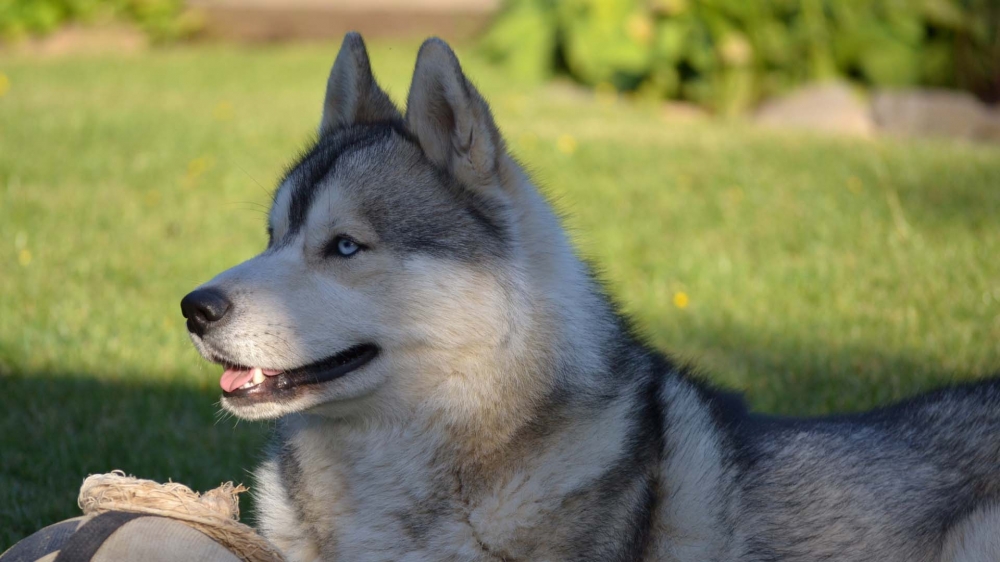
(935, 113)
(828, 107)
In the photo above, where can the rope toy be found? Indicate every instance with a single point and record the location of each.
(215, 513)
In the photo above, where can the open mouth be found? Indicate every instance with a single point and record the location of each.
(239, 381)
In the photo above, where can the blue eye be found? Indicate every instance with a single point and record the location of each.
(342, 246)
(347, 247)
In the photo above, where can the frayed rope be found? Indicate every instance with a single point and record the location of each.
(215, 513)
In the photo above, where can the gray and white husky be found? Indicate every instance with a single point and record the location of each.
(450, 383)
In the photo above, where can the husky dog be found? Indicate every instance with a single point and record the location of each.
(450, 383)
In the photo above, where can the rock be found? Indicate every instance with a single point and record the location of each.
(935, 113)
(829, 107)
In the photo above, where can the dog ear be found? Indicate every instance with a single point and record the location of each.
(450, 119)
(352, 95)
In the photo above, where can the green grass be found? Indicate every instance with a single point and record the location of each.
(821, 274)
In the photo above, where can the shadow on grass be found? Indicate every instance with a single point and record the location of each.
(57, 428)
(802, 374)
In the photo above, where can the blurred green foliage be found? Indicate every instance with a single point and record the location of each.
(727, 54)
(160, 19)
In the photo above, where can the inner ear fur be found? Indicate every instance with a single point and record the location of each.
(450, 119)
(352, 94)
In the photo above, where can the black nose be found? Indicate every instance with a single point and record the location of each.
(204, 308)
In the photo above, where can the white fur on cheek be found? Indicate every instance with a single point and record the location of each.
(459, 343)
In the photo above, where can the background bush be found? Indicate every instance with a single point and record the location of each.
(727, 54)
(161, 19)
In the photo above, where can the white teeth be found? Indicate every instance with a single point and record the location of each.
(258, 377)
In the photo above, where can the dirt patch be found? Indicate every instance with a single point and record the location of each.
(271, 21)
(77, 39)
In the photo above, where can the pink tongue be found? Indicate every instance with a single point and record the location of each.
(235, 378)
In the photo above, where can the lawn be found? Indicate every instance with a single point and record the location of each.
(815, 274)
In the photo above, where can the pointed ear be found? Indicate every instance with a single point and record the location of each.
(450, 119)
(352, 95)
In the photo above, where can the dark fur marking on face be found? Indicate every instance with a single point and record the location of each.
(447, 219)
(482, 210)
(321, 161)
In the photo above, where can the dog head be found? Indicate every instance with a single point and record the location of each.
(390, 267)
